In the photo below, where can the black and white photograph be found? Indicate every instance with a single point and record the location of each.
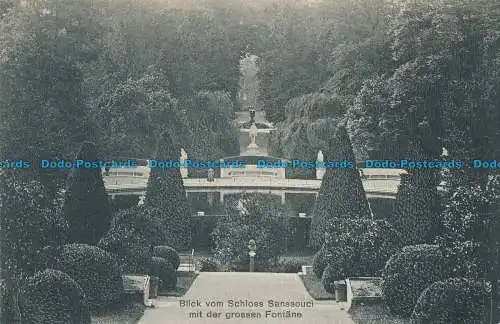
(249, 161)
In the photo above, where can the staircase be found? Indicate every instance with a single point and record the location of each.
(187, 262)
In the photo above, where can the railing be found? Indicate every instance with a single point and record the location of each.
(187, 260)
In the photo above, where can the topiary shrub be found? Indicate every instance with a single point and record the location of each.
(330, 275)
(132, 235)
(164, 270)
(348, 203)
(136, 259)
(208, 265)
(165, 192)
(95, 270)
(86, 204)
(408, 273)
(455, 300)
(338, 268)
(54, 297)
(360, 247)
(167, 253)
(319, 263)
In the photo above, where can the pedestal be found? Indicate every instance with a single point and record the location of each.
(252, 261)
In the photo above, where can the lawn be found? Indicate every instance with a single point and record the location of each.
(184, 282)
(315, 288)
(128, 313)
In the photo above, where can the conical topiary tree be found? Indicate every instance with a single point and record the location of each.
(165, 191)
(417, 208)
(341, 194)
(86, 204)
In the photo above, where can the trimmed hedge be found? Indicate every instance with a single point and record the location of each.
(320, 263)
(330, 275)
(95, 270)
(54, 297)
(208, 265)
(455, 300)
(132, 236)
(289, 266)
(136, 260)
(167, 253)
(164, 270)
(408, 273)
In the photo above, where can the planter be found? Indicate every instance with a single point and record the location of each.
(364, 291)
(306, 269)
(340, 290)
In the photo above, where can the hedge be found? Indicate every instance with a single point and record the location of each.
(330, 275)
(358, 248)
(455, 300)
(167, 253)
(164, 270)
(95, 270)
(319, 262)
(408, 273)
(132, 235)
(54, 297)
(136, 260)
(208, 265)
(289, 266)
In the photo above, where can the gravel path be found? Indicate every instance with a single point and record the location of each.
(244, 298)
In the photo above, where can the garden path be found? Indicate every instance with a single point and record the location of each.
(242, 287)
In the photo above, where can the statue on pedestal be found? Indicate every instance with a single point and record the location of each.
(252, 116)
(183, 169)
(253, 135)
(320, 172)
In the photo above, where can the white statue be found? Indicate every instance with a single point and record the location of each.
(320, 156)
(141, 200)
(320, 172)
(253, 136)
(183, 169)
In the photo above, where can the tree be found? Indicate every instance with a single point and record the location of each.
(165, 191)
(134, 113)
(86, 203)
(41, 74)
(29, 221)
(341, 194)
(471, 240)
(417, 208)
(214, 135)
(251, 216)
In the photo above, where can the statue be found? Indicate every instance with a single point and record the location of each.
(320, 156)
(253, 135)
(183, 157)
(210, 175)
(252, 116)
(141, 200)
(320, 171)
(252, 247)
